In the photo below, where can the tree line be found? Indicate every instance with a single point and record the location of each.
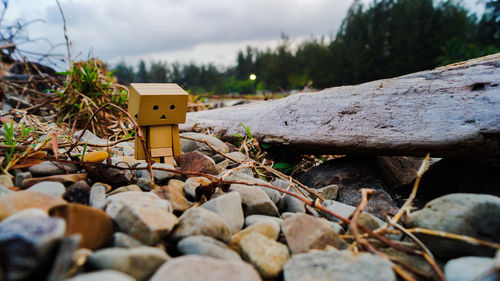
(384, 39)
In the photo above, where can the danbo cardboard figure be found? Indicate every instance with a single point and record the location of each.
(158, 108)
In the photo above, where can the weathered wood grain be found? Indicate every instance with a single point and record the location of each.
(449, 111)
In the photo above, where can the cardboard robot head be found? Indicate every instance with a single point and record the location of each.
(157, 103)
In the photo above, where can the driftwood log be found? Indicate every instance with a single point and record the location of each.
(450, 111)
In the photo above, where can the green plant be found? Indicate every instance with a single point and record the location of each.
(10, 140)
(283, 167)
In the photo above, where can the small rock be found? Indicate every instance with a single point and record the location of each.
(108, 275)
(48, 168)
(131, 187)
(346, 211)
(174, 196)
(239, 175)
(25, 243)
(255, 201)
(95, 156)
(270, 229)
(304, 232)
(20, 200)
(160, 176)
(4, 190)
(62, 261)
(6, 180)
(64, 179)
(200, 221)
(78, 193)
(117, 201)
(268, 256)
(20, 177)
(139, 262)
(178, 184)
(236, 155)
(328, 192)
(97, 197)
(206, 246)
(94, 226)
(194, 161)
(190, 145)
(89, 137)
(48, 187)
(228, 206)
(254, 219)
(112, 176)
(192, 183)
(145, 184)
(31, 212)
(123, 240)
(338, 265)
(194, 268)
(474, 215)
(470, 269)
(147, 224)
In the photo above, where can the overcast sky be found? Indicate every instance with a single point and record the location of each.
(201, 31)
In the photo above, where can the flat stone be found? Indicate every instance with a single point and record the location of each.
(206, 246)
(6, 180)
(270, 229)
(328, 192)
(195, 161)
(97, 197)
(338, 265)
(94, 226)
(110, 175)
(266, 255)
(254, 219)
(190, 145)
(20, 200)
(240, 175)
(117, 201)
(174, 196)
(63, 257)
(238, 156)
(123, 240)
(228, 206)
(470, 269)
(160, 176)
(65, 179)
(30, 212)
(194, 268)
(192, 183)
(474, 215)
(95, 156)
(365, 219)
(25, 243)
(145, 184)
(200, 221)
(138, 262)
(304, 232)
(108, 275)
(255, 201)
(48, 168)
(130, 187)
(147, 224)
(78, 193)
(20, 177)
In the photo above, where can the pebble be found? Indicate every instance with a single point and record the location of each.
(95, 156)
(174, 196)
(254, 219)
(470, 269)
(195, 161)
(200, 221)
(117, 201)
(94, 226)
(139, 262)
(160, 176)
(328, 192)
(474, 215)
(255, 201)
(20, 200)
(130, 187)
(270, 229)
(49, 168)
(190, 145)
(97, 197)
(49, 187)
(63, 257)
(66, 179)
(123, 240)
(195, 268)
(268, 256)
(365, 219)
(147, 224)
(108, 275)
(192, 183)
(4, 190)
(88, 137)
(30, 212)
(6, 180)
(145, 184)
(273, 194)
(78, 192)
(25, 242)
(20, 177)
(228, 206)
(206, 246)
(338, 265)
(304, 232)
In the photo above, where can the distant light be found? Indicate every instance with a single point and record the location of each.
(253, 77)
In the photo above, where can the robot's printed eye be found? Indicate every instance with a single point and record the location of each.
(172, 107)
(155, 107)
(136, 116)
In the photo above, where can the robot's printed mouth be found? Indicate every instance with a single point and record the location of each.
(163, 117)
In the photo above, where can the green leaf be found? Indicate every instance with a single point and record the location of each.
(283, 166)
(249, 133)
